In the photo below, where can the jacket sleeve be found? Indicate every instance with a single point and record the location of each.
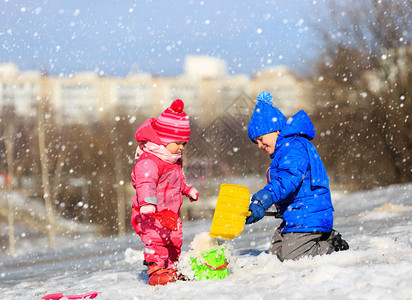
(288, 174)
(184, 186)
(145, 178)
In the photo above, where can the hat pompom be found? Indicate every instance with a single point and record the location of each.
(265, 118)
(265, 97)
(177, 106)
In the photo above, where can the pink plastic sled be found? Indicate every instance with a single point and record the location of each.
(58, 296)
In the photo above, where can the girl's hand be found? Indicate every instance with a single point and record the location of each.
(148, 209)
(193, 195)
(191, 192)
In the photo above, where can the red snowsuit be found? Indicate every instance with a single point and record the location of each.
(162, 184)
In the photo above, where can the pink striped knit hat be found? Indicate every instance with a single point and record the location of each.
(173, 124)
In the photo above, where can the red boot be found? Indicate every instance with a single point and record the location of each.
(160, 275)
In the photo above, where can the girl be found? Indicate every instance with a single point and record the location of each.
(159, 182)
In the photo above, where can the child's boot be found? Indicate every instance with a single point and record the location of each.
(160, 275)
(338, 243)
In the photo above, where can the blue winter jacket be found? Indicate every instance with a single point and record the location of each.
(298, 181)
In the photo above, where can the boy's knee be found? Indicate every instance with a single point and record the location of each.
(293, 246)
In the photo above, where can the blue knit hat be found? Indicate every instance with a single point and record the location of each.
(265, 118)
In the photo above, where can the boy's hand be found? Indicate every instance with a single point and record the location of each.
(257, 213)
(260, 203)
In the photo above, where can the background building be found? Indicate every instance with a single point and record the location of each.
(288, 90)
(205, 87)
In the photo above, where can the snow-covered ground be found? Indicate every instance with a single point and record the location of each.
(377, 224)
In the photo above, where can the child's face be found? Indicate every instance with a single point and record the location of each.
(176, 147)
(267, 142)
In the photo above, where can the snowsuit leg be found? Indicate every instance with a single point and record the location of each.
(175, 248)
(162, 246)
(296, 245)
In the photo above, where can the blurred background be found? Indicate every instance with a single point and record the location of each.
(78, 78)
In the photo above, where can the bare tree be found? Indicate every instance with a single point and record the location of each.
(119, 183)
(45, 175)
(8, 132)
(363, 87)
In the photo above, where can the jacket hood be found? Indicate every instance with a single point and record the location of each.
(299, 124)
(146, 133)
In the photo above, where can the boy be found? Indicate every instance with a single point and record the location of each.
(297, 184)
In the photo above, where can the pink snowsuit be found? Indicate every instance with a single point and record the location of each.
(162, 184)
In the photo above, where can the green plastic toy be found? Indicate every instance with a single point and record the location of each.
(212, 265)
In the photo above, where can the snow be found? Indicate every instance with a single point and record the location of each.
(377, 224)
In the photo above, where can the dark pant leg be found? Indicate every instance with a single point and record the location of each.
(296, 245)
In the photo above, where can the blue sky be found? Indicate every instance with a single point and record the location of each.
(118, 36)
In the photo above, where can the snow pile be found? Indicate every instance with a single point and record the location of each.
(133, 256)
(31, 224)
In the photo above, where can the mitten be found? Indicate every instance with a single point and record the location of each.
(260, 203)
(257, 212)
(168, 218)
